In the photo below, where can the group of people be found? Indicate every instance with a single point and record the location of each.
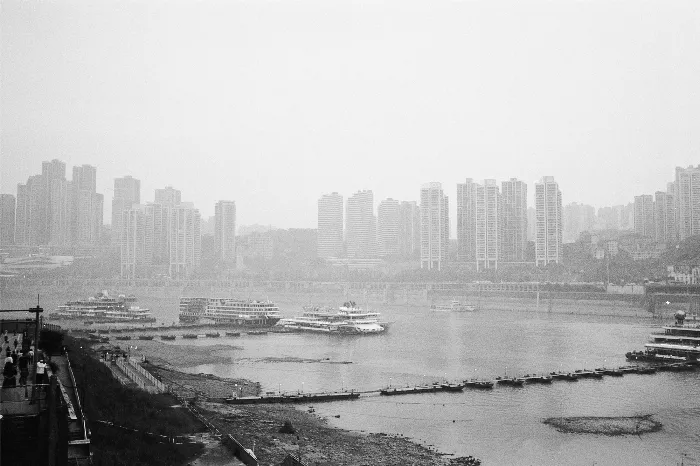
(19, 355)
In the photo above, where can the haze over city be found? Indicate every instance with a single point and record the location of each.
(273, 104)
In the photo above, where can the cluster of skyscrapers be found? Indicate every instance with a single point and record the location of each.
(51, 210)
(162, 237)
(674, 214)
(492, 225)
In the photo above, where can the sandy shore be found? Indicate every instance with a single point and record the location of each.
(259, 425)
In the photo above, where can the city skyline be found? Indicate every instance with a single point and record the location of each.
(296, 114)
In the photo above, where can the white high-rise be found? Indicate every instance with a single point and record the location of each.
(435, 226)
(409, 229)
(225, 230)
(644, 223)
(488, 225)
(515, 221)
(466, 221)
(330, 226)
(548, 211)
(361, 226)
(127, 192)
(388, 227)
(185, 240)
(687, 186)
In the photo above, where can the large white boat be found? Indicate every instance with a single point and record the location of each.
(231, 311)
(103, 308)
(679, 340)
(347, 319)
(454, 306)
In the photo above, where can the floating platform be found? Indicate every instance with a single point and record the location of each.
(167, 337)
(297, 398)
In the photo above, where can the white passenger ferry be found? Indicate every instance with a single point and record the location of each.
(103, 308)
(231, 311)
(347, 319)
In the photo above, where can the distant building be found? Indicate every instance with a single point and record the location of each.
(466, 221)
(87, 207)
(361, 226)
(576, 219)
(127, 192)
(388, 228)
(225, 230)
(409, 229)
(7, 220)
(185, 240)
(688, 274)
(531, 224)
(168, 196)
(489, 225)
(256, 245)
(644, 223)
(435, 226)
(687, 201)
(330, 226)
(515, 220)
(548, 206)
(30, 226)
(664, 217)
(133, 242)
(55, 203)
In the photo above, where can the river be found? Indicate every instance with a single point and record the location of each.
(502, 426)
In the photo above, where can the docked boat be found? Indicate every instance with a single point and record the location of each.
(568, 376)
(167, 337)
(483, 384)
(452, 387)
(512, 381)
(213, 335)
(347, 319)
(190, 336)
(233, 334)
(145, 337)
(678, 342)
(454, 305)
(103, 308)
(126, 337)
(229, 311)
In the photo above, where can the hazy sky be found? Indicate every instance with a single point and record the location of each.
(273, 103)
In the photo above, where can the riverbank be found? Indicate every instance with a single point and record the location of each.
(259, 425)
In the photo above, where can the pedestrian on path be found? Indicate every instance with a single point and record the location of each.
(40, 372)
(23, 369)
(9, 373)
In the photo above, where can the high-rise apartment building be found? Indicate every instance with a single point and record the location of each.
(7, 220)
(127, 192)
(185, 240)
(577, 219)
(30, 225)
(531, 224)
(409, 229)
(466, 221)
(548, 211)
(361, 226)
(87, 207)
(644, 223)
(55, 203)
(388, 228)
(133, 257)
(515, 220)
(435, 226)
(489, 225)
(330, 226)
(225, 231)
(664, 217)
(168, 196)
(687, 187)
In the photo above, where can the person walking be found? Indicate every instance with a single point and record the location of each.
(40, 372)
(23, 369)
(9, 374)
